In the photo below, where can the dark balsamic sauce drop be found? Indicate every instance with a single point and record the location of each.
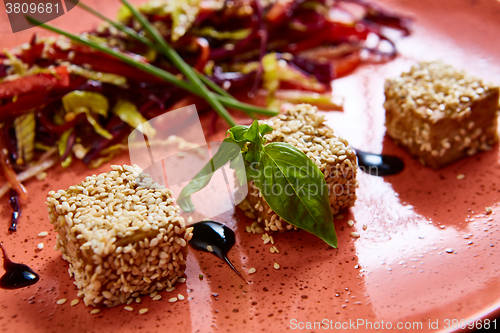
(214, 237)
(16, 275)
(379, 164)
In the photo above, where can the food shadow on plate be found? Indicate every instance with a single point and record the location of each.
(450, 195)
(38, 305)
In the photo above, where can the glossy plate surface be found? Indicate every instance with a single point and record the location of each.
(427, 249)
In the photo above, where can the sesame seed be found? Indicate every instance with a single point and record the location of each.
(276, 265)
(61, 301)
(449, 250)
(128, 308)
(350, 223)
(180, 297)
(460, 176)
(210, 248)
(143, 311)
(138, 300)
(43, 234)
(75, 302)
(95, 311)
(172, 299)
(274, 249)
(39, 246)
(355, 234)
(156, 298)
(181, 280)
(252, 270)
(169, 289)
(488, 210)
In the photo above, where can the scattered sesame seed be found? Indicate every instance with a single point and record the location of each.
(460, 176)
(355, 234)
(180, 297)
(350, 223)
(488, 210)
(276, 265)
(128, 308)
(43, 234)
(274, 249)
(143, 311)
(449, 250)
(181, 280)
(75, 302)
(39, 246)
(170, 289)
(252, 270)
(156, 298)
(138, 300)
(210, 248)
(172, 299)
(95, 311)
(61, 301)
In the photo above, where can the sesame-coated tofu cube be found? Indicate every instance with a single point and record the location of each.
(441, 114)
(303, 127)
(121, 234)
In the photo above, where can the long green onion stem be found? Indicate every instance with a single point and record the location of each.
(181, 65)
(155, 71)
(135, 35)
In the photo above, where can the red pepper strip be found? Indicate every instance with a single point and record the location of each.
(23, 104)
(82, 55)
(42, 82)
(202, 43)
(346, 64)
(281, 10)
(37, 99)
(33, 53)
(9, 173)
(334, 32)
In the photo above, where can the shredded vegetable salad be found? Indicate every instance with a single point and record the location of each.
(61, 101)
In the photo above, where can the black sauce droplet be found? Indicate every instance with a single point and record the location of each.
(379, 164)
(214, 237)
(16, 210)
(16, 275)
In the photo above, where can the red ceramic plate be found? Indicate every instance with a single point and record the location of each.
(397, 275)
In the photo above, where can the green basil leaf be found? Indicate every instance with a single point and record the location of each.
(237, 133)
(264, 129)
(295, 189)
(227, 152)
